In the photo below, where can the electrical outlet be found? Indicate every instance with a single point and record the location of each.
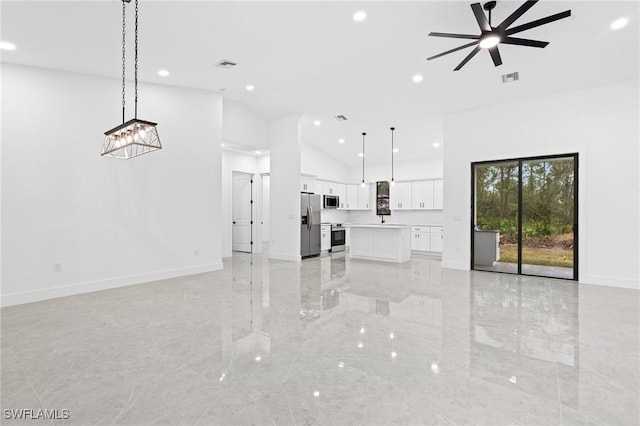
(57, 267)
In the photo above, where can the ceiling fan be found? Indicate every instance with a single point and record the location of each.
(490, 37)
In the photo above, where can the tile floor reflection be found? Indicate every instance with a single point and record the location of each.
(329, 341)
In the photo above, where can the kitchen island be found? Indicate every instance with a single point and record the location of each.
(387, 243)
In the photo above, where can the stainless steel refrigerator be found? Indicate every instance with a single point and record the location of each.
(309, 225)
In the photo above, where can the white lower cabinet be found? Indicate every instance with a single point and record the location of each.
(379, 242)
(325, 237)
(426, 238)
(436, 239)
(420, 237)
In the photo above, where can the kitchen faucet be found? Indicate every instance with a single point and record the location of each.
(382, 218)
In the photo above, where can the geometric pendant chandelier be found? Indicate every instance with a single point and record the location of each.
(135, 137)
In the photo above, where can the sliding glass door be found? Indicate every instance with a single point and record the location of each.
(525, 216)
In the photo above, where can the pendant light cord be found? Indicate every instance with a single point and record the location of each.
(392, 129)
(136, 65)
(124, 39)
(124, 21)
(363, 135)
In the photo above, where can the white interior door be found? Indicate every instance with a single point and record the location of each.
(241, 212)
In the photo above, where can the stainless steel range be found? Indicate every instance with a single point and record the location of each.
(338, 237)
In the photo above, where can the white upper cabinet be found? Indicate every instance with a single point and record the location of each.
(307, 184)
(341, 192)
(358, 197)
(352, 197)
(438, 198)
(329, 188)
(364, 196)
(426, 195)
(415, 195)
(422, 195)
(400, 196)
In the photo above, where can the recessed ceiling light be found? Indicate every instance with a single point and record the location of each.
(395, 150)
(360, 16)
(360, 154)
(5, 45)
(417, 78)
(221, 144)
(258, 152)
(250, 87)
(436, 144)
(163, 73)
(340, 140)
(619, 23)
(317, 122)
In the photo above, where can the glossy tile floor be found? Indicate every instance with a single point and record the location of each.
(329, 341)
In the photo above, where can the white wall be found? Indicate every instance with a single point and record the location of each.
(427, 168)
(243, 126)
(107, 222)
(266, 207)
(315, 162)
(599, 123)
(284, 212)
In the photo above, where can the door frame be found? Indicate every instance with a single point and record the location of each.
(520, 161)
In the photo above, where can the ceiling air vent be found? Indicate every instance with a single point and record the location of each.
(226, 64)
(341, 117)
(510, 78)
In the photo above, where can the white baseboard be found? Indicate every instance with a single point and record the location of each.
(89, 286)
(610, 281)
(287, 257)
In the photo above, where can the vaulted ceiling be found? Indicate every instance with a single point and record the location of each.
(312, 58)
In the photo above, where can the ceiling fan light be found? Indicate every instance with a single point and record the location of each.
(489, 41)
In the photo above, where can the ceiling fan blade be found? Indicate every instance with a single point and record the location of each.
(538, 22)
(452, 50)
(450, 35)
(495, 55)
(480, 17)
(468, 58)
(524, 42)
(518, 13)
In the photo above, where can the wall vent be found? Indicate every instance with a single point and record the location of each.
(226, 64)
(510, 78)
(341, 117)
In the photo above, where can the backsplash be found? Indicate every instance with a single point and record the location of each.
(403, 217)
(334, 216)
